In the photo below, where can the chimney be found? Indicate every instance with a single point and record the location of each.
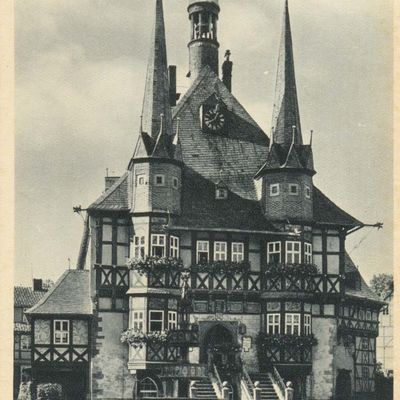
(37, 285)
(173, 96)
(110, 180)
(227, 71)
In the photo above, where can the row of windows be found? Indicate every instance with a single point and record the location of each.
(159, 180)
(294, 190)
(292, 324)
(293, 253)
(293, 250)
(156, 320)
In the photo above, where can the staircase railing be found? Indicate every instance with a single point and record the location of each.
(278, 383)
(247, 385)
(216, 381)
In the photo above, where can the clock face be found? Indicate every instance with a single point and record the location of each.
(214, 119)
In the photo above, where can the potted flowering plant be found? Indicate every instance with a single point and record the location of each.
(148, 264)
(220, 267)
(137, 339)
(300, 269)
(264, 340)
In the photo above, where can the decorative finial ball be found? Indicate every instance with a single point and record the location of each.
(203, 1)
(289, 384)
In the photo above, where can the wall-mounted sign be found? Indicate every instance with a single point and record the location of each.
(246, 343)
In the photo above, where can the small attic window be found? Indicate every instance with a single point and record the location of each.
(294, 189)
(308, 192)
(140, 180)
(274, 190)
(175, 182)
(159, 180)
(221, 193)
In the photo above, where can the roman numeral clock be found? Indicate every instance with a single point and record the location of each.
(213, 117)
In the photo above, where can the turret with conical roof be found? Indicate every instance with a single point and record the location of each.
(289, 168)
(155, 168)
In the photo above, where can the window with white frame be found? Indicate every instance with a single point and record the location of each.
(61, 331)
(292, 324)
(140, 180)
(307, 324)
(158, 245)
(220, 252)
(174, 246)
(308, 257)
(172, 320)
(293, 189)
(25, 342)
(156, 321)
(237, 251)
(293, 252)
(274, 252)
(274, 189)
(273, 324)
(175, 182)
(203, 248)
(221, 193)
(308, 192)
(139, 246)
(159, 180)
(138, 320)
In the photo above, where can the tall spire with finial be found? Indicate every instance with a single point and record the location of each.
(286, 109)
(156, 95)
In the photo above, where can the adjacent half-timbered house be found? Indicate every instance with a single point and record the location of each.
(213, 257)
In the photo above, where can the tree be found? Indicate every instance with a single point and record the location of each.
(382, 285)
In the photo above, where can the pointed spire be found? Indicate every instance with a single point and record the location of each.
(286, 109)
(156, 95)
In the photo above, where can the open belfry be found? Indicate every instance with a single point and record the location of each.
(215, 268)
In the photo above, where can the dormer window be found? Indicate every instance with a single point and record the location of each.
(159, 180)
(274, 190)
(221, 193)
(293, 189)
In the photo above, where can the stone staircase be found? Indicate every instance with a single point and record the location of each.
(267, 389)
(205, 390)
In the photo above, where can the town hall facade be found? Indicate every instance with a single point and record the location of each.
(212, 262)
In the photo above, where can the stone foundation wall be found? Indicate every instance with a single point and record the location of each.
(111, 379)
(322, 379)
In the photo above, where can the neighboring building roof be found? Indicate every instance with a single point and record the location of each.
(26, 296)
(364, 292)
(69, 295)
(115, 198)
(326, 211)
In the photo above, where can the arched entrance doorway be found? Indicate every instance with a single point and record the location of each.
(220, 348)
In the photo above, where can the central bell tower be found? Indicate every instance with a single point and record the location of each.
(203, 45)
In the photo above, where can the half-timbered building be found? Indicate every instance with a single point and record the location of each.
(237, 267)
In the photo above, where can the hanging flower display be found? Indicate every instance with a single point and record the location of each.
(149, 264)
(221, 267)
(137, 339)
(263, 341)
(225, 348)
(291, 269)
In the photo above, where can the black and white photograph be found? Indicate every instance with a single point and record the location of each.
(203, 200)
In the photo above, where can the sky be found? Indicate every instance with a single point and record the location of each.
(80, 73)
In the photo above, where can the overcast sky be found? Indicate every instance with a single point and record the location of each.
(80, 72)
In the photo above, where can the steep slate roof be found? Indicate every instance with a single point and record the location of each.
(286, 108)
(26, 296)
(69, 295)
(115, 198)
(365, 292)
(326, 211)
(156, 97)
(233, 156)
